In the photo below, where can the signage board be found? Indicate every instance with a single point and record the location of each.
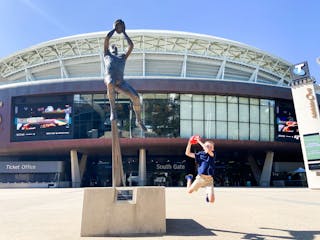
(42, 118)
(299, 71)
(312, 145)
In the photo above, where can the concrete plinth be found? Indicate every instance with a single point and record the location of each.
(109, 212)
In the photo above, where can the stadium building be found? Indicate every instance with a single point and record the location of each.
(54, 113)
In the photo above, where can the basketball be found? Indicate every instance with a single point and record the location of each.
(119, 26)
(194, 139)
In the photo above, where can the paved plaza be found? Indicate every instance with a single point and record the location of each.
(239, 213)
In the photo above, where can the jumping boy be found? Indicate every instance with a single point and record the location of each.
(206, 164)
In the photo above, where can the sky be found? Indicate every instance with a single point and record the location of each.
(289, 29)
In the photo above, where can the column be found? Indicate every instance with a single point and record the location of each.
(303, 89)
(266, 171)
(75, 172)
(142, 167)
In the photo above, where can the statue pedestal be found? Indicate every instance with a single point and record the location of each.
(123, 211)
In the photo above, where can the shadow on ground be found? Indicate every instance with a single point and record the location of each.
(186, 227)
(189, 227)
(294, 235)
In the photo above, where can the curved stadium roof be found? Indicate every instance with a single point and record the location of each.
(165, 54)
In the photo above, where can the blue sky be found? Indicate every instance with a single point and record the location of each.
(289, 29)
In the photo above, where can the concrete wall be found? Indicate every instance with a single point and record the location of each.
(104, 215)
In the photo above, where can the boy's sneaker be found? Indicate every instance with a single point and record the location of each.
(189, 177)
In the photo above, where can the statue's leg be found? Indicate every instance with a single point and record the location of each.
(117, 167)
(139, 123)
(125, 88)
(112, 98)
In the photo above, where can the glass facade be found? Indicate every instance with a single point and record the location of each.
(227, 117)
(178, 115)
(165, 115)
(161, 114)
(92, 112)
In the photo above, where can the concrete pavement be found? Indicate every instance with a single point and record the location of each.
(238, 213)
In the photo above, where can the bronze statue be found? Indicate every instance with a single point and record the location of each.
(114, 70)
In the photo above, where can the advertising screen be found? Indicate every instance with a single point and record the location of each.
(286, 122)
(312, 144)
(42, 118)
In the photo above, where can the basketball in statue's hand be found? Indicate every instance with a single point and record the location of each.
(119, 26)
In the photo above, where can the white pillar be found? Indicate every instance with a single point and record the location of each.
(266, 171)
(142, 167)
(75, 172)
(308, 117)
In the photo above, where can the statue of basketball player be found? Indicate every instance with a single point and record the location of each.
(114, 69)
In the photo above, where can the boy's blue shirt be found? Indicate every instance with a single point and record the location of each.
(206, 163)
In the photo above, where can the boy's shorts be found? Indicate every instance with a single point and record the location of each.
(203, 181)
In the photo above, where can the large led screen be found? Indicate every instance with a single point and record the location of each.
(312, 145)
(286, 122)
(42, 118)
